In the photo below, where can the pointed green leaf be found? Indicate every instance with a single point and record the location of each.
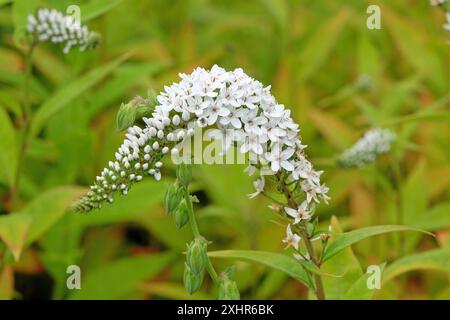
(274, 260)
(68, 93)
(435, 218)
(345, 264)
(438, 259)
(48, 208)
(14, 229)
(20, 229)
(359, 290)
(349, 238)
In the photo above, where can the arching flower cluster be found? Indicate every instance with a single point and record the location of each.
(228, 101)
(365, 151)
(55, 27)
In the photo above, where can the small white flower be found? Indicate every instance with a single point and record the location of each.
(259, 187)
(250, 170)
(280, 158)
(252, 122)
(273, 132)
(299, 214)
(233, 118)
(253, 142)
(215, 110)
(197, 106)
(291, 239)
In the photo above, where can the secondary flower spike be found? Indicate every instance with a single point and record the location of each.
(375, 142)
(229, 101)
(55, 27)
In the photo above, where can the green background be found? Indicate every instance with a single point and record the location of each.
(338, 77)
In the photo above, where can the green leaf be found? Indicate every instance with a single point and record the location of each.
(68, 93)
(414, 194)
(437, 217)
(347, 239)
(126, 116)
(8, 147)
(438, 259)
(48, 208)
(344, 264)
(20, 229)
(274, 260)
(359, 290)
(271, 284)
(14, 228)
(126, 77)
(119, 278)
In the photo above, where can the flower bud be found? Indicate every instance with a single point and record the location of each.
(184, 173)
(325, 237)
(172, 198)
(196, 255)
(191, 280)
(133, 110)
(181, 215)
(228, 290)
(127, 113)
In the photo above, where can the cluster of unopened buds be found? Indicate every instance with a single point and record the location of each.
(55, 27)
(365, 151)
(235, 106)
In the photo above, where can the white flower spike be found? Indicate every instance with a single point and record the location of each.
(55, 27)
(229, 101)
(365, 151)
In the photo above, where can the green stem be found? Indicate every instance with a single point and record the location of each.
(320, 292)
(399, 199)
(195, 230)
(26, 107)
(268, 196)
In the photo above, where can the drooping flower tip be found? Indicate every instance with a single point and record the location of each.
(55, 27)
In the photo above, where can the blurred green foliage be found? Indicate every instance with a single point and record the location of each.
(339, 79)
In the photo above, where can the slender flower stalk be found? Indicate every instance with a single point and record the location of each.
(365, 151)
(25, 122)
(53, 26)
